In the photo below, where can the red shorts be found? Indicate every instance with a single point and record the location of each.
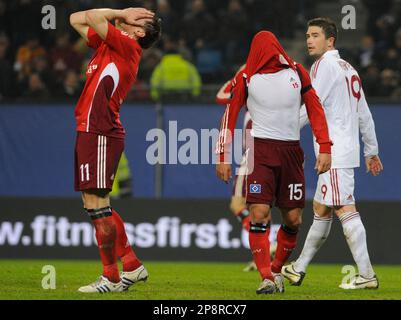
(277, 175)
(96, 160)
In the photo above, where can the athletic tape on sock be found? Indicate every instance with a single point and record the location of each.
(288, 230)
(95, 214)
(258, 227)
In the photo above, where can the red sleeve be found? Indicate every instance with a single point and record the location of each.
(229, 119)
(121, 42)
(94, 40)
(315, 111)
(224, 95)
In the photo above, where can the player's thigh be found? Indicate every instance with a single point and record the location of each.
(239, 185)
(341, 210)
(96, 198)
(291, 189)
(335, 188)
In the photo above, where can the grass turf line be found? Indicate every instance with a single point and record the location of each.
(22, 279)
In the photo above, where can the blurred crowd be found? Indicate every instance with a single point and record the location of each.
(204, 42)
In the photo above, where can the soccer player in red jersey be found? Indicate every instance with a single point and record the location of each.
(272, 85)
(100, 135)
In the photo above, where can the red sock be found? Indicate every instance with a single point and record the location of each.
(106, 235)
(286, 242)
(245, 223)
(244, 217)
(260, 247)
(124, 251)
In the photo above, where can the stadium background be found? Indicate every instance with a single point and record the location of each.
(177, 212)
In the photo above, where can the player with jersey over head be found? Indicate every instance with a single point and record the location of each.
(272, 86)
(238, 205)
(100, 135)
(339, 87)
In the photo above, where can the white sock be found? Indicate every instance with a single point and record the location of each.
(355, 234)
(317, 235)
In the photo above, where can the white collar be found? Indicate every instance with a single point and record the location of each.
(333, 53)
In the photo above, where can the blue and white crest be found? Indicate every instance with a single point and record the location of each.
(255, 188)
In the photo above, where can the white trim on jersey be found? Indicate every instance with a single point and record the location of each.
(109, 70)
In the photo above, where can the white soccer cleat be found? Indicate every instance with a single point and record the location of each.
(360, 282)
(294, 277)
(132, 277)
(266, 287)
(102, 285)
(279, 282)
(251, 266)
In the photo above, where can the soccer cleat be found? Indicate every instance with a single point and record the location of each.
(294, 277)
(266, 287)
(360, 282)
(132, 277)
(102, 285)
(279, 282)
(251, 266)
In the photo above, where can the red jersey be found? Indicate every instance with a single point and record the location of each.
(110, 75)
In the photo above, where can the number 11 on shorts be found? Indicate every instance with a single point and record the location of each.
(84, 169)
(295, 191)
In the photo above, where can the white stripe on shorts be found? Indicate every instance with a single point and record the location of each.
(104, 161)
(101, 161)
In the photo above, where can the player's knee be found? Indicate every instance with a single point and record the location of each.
(294, 223)
(322, 210)
(95, 199)
(259, 213)
(341, 210)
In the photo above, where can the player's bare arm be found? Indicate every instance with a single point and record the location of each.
(374, 165)
(98, 19)
(78, 22)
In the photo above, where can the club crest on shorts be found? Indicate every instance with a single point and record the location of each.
(255, 188)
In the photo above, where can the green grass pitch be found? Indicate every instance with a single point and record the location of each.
(22, 279)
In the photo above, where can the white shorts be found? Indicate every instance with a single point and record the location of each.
(336, 188)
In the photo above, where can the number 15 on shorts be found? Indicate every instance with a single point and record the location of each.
(295, 191)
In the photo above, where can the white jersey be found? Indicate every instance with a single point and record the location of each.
(274, 101)
(339, 88)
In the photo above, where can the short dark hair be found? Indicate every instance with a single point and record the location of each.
(329, 27)
(153, 32)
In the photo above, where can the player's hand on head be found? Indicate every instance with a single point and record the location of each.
(323, 163)
(137, 16)
(373, 165)
(223, 171)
